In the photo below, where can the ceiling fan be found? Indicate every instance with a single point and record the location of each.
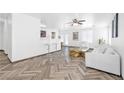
(76, 21)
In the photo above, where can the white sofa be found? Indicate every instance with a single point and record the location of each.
(104, 58)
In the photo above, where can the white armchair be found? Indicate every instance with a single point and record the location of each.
(106, 60)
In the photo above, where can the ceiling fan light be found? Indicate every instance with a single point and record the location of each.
(75, 24)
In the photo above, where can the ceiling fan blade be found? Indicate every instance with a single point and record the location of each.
(82, 20)
(80, 23)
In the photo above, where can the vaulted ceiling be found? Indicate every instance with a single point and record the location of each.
(58, 20)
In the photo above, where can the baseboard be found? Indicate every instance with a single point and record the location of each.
(26, 58)
(33, 57)
(1, 50)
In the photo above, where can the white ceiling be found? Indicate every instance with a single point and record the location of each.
(57, 20)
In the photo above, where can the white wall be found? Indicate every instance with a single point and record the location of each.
(101, 33)
(83, 34)
(26, 40)
(72, 42)
(1, 35)
(118, 43)
(25, 37)
(5, 37)
(5, 32)
(9, 40)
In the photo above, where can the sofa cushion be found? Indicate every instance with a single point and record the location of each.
(100, 49)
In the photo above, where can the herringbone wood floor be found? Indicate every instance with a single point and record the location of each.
(50, 67)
